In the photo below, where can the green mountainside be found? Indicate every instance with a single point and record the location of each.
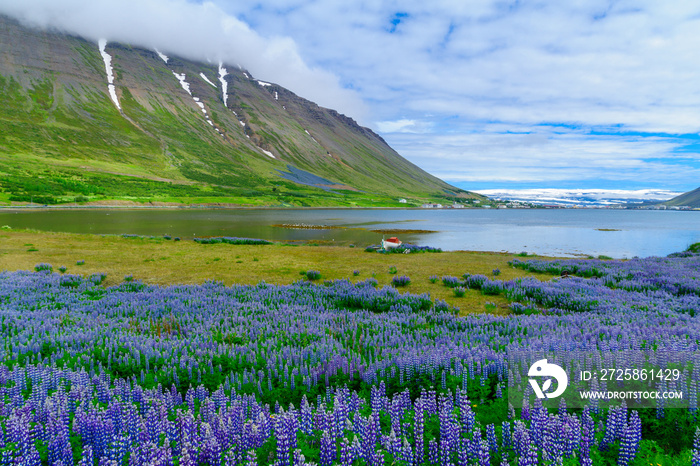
(691, 199)
(64, 140)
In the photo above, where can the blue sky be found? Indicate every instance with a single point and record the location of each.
(484, 94)
(519, 94)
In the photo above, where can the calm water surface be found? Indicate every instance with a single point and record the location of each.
(547, 232)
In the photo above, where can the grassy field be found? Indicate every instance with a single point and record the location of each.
(164, 262)
(80, 182)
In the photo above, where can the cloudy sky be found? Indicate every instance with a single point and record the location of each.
(484, 94)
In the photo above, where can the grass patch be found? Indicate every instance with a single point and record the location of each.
(276, 263)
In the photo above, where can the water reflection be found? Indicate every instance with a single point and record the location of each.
(546, 232)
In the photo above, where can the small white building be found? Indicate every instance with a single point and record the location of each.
(403, 201)
(457, 205)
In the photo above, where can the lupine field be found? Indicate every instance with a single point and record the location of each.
(332, 373)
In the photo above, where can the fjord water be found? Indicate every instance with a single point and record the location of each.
(555, 232)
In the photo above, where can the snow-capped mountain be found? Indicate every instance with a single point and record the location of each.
(581, 197)
(114, 120)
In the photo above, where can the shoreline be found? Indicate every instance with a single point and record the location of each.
(35, 208)
(206, 207)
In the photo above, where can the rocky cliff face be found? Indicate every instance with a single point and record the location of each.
(92, 113)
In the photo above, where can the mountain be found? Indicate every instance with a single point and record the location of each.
(81, 121)
(690, 199)
(581, 197)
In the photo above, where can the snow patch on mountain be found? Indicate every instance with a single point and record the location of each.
(186, 86)
(224, 83)
(204, 77)
(183, 82)
(307, 132)
(182, 79)
(162, 56)
(264, 84)
(110, 72)
(269, 154)
(581, 197)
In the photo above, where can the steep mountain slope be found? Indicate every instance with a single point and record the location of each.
(80, 120)
(691, 198)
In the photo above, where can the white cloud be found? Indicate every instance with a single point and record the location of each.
(545, 158)
(403, 125)
(192, 30)
(630, 66)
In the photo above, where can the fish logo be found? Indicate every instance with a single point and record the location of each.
(542, 368)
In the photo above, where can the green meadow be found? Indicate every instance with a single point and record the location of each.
(164, 262)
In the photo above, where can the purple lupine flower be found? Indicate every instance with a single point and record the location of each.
(630, 440)
(418, 430)
(306, 420)
(392, 443)
(251, 458)
(357, 449)
(483, 452)
(447, 439)
(377, 458)
(211, 450)
(86, 458)
(433, 456)
(474, 446)
(538, 423)
(463, 457)
(347, 453)
(521, 438)
(614, 427)
(283, 444)
(552, 440)
(587, 433)
(696, 448)
(231, 458)
(499, 390)
(298, 458)
(406, 454)
(491, 437)
(506, 438)
(369, 441)
(529, 458)
(467, 416)
(327, 449)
